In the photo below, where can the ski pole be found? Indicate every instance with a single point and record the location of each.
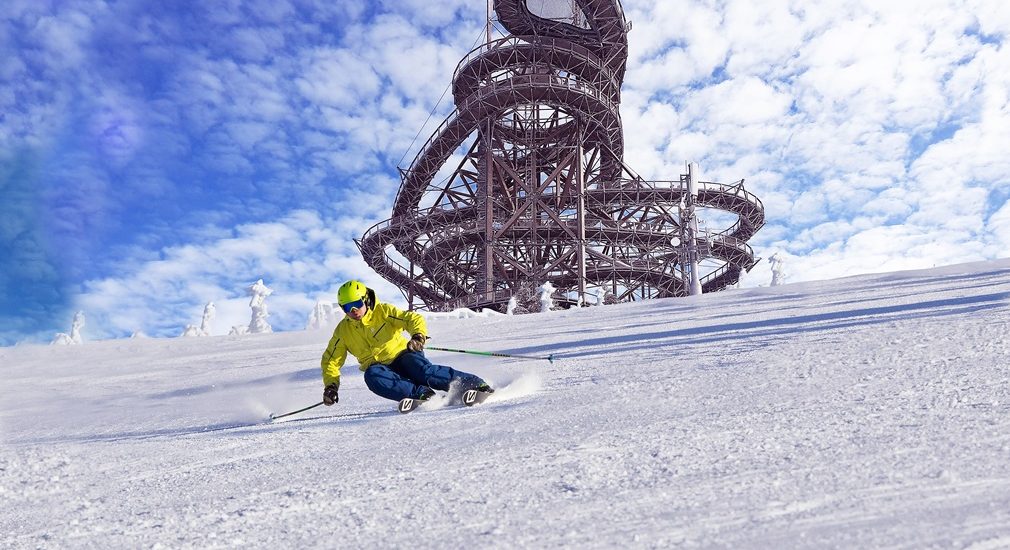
(275, 417)
(492, 354)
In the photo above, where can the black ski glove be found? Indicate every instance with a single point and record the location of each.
(416, 342)
(330, 394)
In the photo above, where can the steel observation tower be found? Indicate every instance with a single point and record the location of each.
(525, 183)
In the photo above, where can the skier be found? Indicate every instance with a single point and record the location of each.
(395, 367)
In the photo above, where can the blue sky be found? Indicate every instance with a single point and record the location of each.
(156, 158)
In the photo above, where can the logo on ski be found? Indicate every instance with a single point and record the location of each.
(406, 405)
(469, 397)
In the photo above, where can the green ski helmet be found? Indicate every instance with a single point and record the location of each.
(351, 291)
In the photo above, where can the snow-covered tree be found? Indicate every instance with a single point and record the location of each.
(527, 298)
(323, 315)
(204, 329)
(546, 300)
(259, 292)
(63, 339)
(209, 312)
(778, 269)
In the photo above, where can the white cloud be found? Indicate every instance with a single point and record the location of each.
(256, 43)
(337, 78)
(271, 11)
(762, 38)
(743, 102)
(436, 16)
(62, 38)
(992, 15)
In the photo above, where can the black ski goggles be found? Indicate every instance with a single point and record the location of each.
(357, 304)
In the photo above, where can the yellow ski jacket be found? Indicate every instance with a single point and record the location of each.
(376, 338)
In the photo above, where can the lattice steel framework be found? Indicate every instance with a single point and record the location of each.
(525, 182)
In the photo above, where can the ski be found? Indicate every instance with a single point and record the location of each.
(474, 397)
(408, 404)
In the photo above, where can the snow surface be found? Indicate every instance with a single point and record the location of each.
(871, 411)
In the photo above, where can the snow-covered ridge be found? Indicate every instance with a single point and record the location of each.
(862, 412)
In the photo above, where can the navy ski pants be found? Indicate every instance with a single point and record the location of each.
(410, 373)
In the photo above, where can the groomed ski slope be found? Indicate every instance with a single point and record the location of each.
(871, 411)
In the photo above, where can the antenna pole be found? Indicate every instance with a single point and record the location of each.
(692, 227)
(490, 8)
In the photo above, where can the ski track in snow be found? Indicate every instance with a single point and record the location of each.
(872, 411)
